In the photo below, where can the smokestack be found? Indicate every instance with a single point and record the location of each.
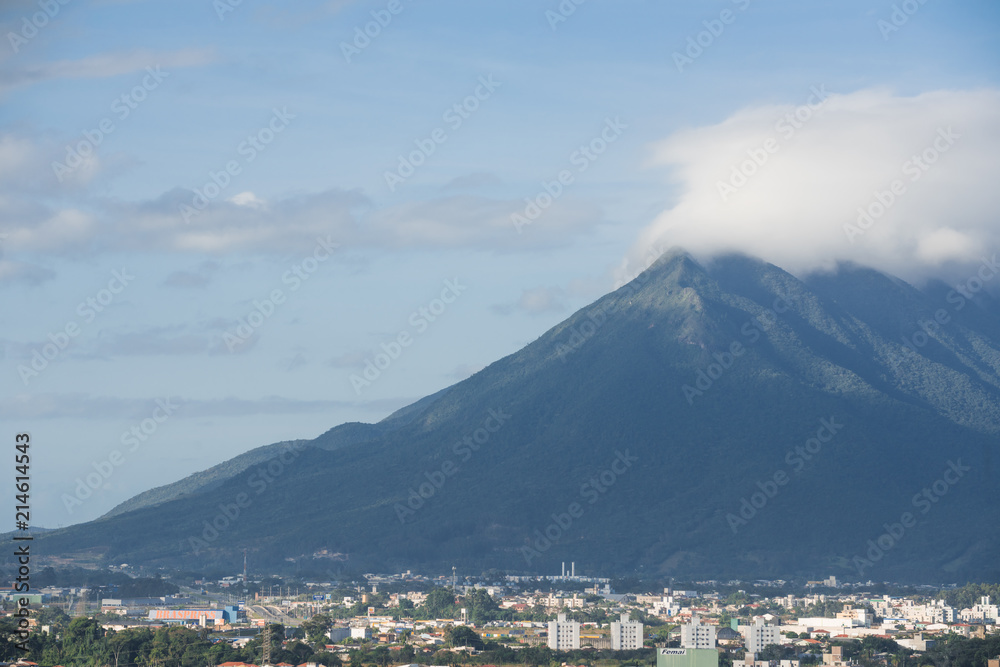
(572, 569)
(564, 568)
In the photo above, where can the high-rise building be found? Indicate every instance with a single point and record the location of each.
(564, 634)
(626, 635)
(697, 635)
(760, 635)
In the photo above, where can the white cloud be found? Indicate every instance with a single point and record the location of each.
(536, 300)
(20, 272)
(291, 225)
(798, 208)
(101, 66)
(247, 199)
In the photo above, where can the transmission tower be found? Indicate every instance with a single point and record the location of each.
(266, 657)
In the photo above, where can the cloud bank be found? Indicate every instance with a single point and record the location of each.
(903, 184)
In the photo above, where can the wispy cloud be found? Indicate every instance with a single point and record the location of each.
(86, 406)
(292, 225)
(200, 278)
(100, 66)
(24, 273)
(534, 301)
(203, 337)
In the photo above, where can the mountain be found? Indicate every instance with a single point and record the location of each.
(727, 420)
(206, 480)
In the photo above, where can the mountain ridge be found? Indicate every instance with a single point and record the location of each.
(612, 377)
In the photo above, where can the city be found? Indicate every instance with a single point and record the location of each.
(496, 618)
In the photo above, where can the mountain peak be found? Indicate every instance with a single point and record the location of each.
(710, 378)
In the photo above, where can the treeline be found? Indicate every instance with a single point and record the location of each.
(103, 583)
(480, 608)
(968, 595)
(493, 653)
(84, 643)
(957, 651)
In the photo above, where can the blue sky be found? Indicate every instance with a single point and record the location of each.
(200, 85)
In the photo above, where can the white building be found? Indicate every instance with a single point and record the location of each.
(697, 635)
(564, 634)
(860, 618)
(626, 635)
(984, 612)
(665, 606)
(759, 636)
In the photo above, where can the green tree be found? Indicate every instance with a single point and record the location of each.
(316, 629)
(776, 652)
(81, 639)
(54, 617)
(325, 658)
(407, 654)
(481, 606)
(440, 603)
(463, 635)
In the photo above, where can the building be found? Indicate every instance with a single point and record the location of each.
(687, 657)
(564, 634)
(984, 612)
(338, 634)
(626, 635)
(202, 617)
(759, 636)
(916, 643)
(835, 658)
(858, 617)
(697, 635)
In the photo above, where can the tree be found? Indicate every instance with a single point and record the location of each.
(295, 653)
(463, 635)
(536, 655)
(81, 639)
(440, 603)
(325, 658)
(662, 633)
(119, 646)
(407, 654)
(481, 606)
(776, 652)
(54, 617)
(381, 656)
(316, 629)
